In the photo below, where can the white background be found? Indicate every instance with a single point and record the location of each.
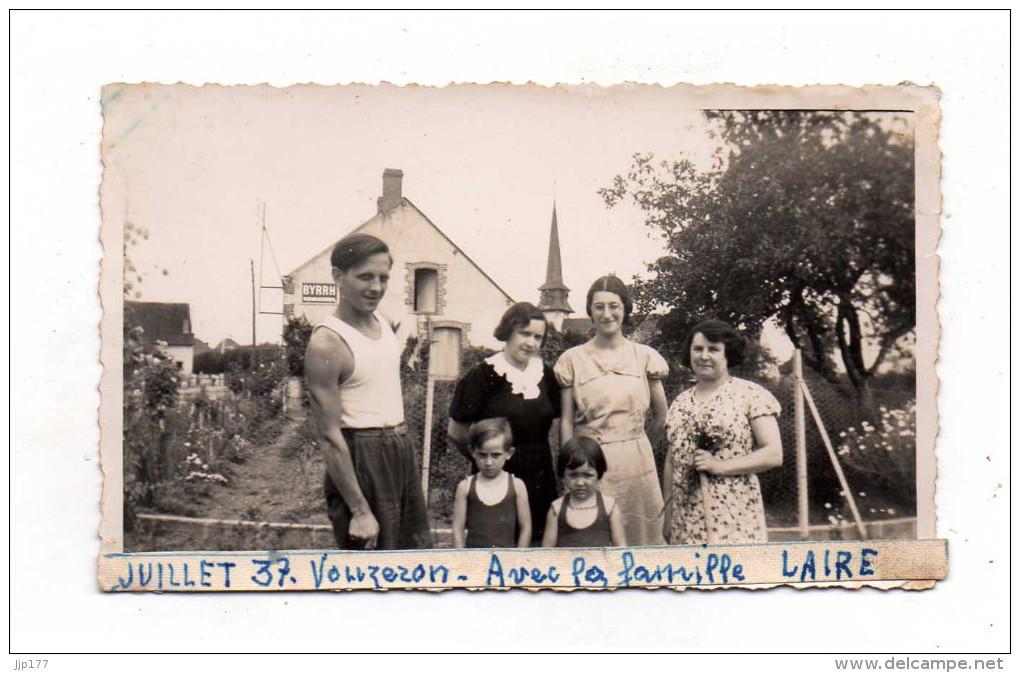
(58, 63)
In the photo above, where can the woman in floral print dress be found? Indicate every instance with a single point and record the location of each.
(721, 432)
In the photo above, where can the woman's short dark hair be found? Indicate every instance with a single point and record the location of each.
(519, 316)
(578, 451)
(612, 284)
(490, 428)
(716, 331)
(352, 250)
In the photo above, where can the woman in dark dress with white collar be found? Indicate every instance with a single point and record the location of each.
(516, 385)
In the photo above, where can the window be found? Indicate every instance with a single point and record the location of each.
(444, 356)
(426, 290)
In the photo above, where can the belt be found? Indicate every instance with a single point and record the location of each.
(611, 438)
(395, 431)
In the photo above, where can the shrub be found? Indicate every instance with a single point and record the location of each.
(150, 375)
(177, 449)
(473, 356)
(149, 415)
(246, 356)
(296, 334)
(557, 342)
(256, 372)
(885, 453)
(209, 362)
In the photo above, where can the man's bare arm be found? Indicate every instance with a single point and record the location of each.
(327, 360)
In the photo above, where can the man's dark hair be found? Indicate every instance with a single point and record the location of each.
(354, 249)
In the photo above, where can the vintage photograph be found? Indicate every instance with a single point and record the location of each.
(498, 317)
(340, 334)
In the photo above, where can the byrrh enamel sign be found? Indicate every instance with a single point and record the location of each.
(318, 293)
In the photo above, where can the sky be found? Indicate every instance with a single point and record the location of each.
(193, 167)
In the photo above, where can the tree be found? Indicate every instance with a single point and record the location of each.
(805, 216)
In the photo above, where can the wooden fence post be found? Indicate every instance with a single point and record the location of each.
(426, 442)
(800, 424)
(835, 462)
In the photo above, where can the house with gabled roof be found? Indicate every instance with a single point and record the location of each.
(436, 292)
(165, 325)
(225, 345)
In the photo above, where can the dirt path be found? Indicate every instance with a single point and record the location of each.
(252, 489)
(280, 482)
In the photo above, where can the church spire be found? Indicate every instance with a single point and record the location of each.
(553, 293)
(554, 267)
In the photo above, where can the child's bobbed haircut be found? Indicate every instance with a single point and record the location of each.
(579, 451)
(490, 428)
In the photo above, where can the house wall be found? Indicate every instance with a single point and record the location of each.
(185, 355)
(465, 294)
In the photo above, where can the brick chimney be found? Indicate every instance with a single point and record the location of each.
(391, 189)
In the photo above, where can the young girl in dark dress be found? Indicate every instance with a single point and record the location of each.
(492, 504)
(583, 517)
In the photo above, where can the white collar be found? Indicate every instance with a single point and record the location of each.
(523, 382)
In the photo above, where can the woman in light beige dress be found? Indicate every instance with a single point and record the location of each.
(607, 387)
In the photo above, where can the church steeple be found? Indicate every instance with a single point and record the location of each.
(553, 293)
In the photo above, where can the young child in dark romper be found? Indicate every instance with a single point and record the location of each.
(583, 517)
(492, 504)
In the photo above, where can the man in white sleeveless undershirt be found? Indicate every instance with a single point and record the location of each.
(352, 368)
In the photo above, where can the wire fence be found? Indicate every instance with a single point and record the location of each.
(875, 445)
